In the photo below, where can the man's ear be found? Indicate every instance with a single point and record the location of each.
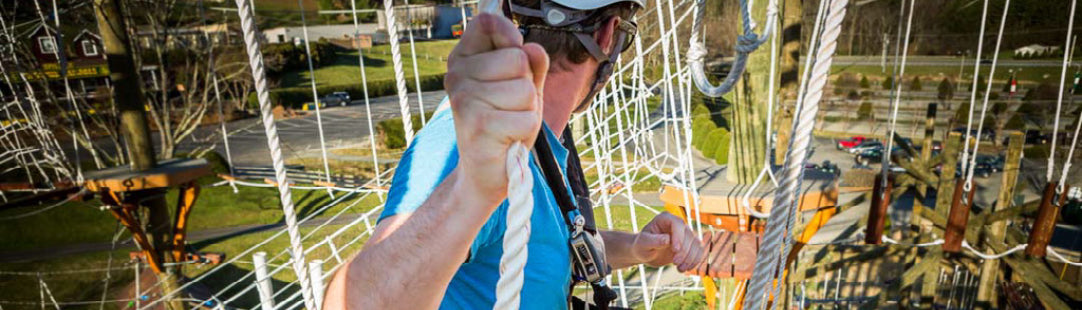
(604, 35)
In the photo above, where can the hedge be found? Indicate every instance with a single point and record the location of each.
(700, 126)
(295, 97)
(393, 134)
(721, 151)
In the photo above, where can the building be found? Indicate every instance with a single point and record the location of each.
(1036, 50)
(83, 57)
(341, 35)
(189, 37)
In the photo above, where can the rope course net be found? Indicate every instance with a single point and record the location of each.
(638, 130)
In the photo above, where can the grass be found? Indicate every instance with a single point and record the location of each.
(378, 65)
(83, 222)
(1035, 74)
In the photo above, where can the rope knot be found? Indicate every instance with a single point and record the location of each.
(747, 43)
(696, 52)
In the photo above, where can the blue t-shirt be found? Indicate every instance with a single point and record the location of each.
(431, 156)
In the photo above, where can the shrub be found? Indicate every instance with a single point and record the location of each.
(945, 91)
(853, 95)
(848, 80)
(700, 109)
(711, 141)
(1036, 151)
(993, 96)
(700, 127)
(721, 151)
(864, 83)
(888, 83)
(962, 113)
(1015, 123)
(866, 93)
(865, 111)
(1043, 91)
(838, 91)
(294, 97)
(999, 108)
(915, 84)
(393, 133)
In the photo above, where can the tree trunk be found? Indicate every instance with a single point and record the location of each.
(129, 101)
(749, 104)
(789, 70)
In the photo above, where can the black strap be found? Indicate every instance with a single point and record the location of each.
(554, 177)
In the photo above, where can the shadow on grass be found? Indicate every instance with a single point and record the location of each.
(243, 295)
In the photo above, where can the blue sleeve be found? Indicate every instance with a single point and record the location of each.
(431, 156)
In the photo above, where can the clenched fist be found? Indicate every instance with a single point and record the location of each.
(494, 83)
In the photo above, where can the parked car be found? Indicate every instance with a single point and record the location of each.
(986, 134)
(980, 170)
(994, 162)
(1033, 137)
(875, 156)
(339, 98)
(866, 145)
(851, 142)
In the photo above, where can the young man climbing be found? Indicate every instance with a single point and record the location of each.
(439, 240)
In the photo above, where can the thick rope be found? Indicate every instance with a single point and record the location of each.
(895, 103)
(1059, 106)
(399, 75)
(772, 251)
(745, 44)
(519, 211)
(255, 58)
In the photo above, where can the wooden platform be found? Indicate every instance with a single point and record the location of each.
(168, 173)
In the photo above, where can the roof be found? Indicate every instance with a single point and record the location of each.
(32, 32)
(86, 32)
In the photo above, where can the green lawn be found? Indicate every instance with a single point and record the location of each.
(1035, 74)
(83, 222)
(378, 65)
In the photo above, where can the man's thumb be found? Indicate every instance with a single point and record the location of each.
(650, 240)
(539, 64)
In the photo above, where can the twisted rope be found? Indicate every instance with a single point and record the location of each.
(973, 88)
(399, 75)
(1059, 106)
(745, 44)
(781, 215)
(968, 185)
(255, 58)
(519, 211)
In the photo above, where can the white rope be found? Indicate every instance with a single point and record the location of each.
(919, 245)
(1061, 258)
(973, 87)
(745, 44)
(992, 256)
(781, 214)
(399, 75)
(416, 75)
(968, 185)
(519, 210)
(895, 103)
(255, 58)
(767, 169)
(364, 87)
(1059, 106)
(315, 95)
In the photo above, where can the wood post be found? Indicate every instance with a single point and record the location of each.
(986, 293)
(878, 214)
(951, 147)
(956, 220)
(263, 281)
(1045, 223)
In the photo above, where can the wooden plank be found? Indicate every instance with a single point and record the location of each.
(1045, 223)
(945, 188)
(877, 215)
(747, 245)
(989, 273)
(958, 218)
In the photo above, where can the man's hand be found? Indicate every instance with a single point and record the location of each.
(494, 83)
(667, 239)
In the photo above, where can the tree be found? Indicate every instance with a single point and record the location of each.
(888, 83)
(915, 84)
(864, 83)
(945, 90)
(865, 111)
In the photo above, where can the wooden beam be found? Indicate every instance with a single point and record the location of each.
(877, 215)
(989, 275)
(945, 188)
(1045, 223)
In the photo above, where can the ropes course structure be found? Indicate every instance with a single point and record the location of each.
(637, 130)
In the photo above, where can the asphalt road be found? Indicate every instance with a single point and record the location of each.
(342, 127)
(940, 61)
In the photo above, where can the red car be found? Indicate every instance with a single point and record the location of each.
(851, 142)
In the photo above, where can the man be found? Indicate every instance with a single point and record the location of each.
(439, 240)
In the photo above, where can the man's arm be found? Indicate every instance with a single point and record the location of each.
(428, 244)
(665, 240)
(494, 86)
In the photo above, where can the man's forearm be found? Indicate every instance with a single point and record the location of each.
(618, 249)
(428, 244)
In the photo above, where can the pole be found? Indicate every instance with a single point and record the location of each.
(877, 215)
(130, 104)
(986, 294)
(262, 281)
(1045, 223)
(956, 220)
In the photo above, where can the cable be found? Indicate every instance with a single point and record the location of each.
(968, 185)
(1061, 258)
(992, 256)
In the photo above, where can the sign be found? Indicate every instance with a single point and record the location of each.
(51, 71)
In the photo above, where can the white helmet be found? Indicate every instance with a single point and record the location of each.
(587, 5)
(560, 13)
